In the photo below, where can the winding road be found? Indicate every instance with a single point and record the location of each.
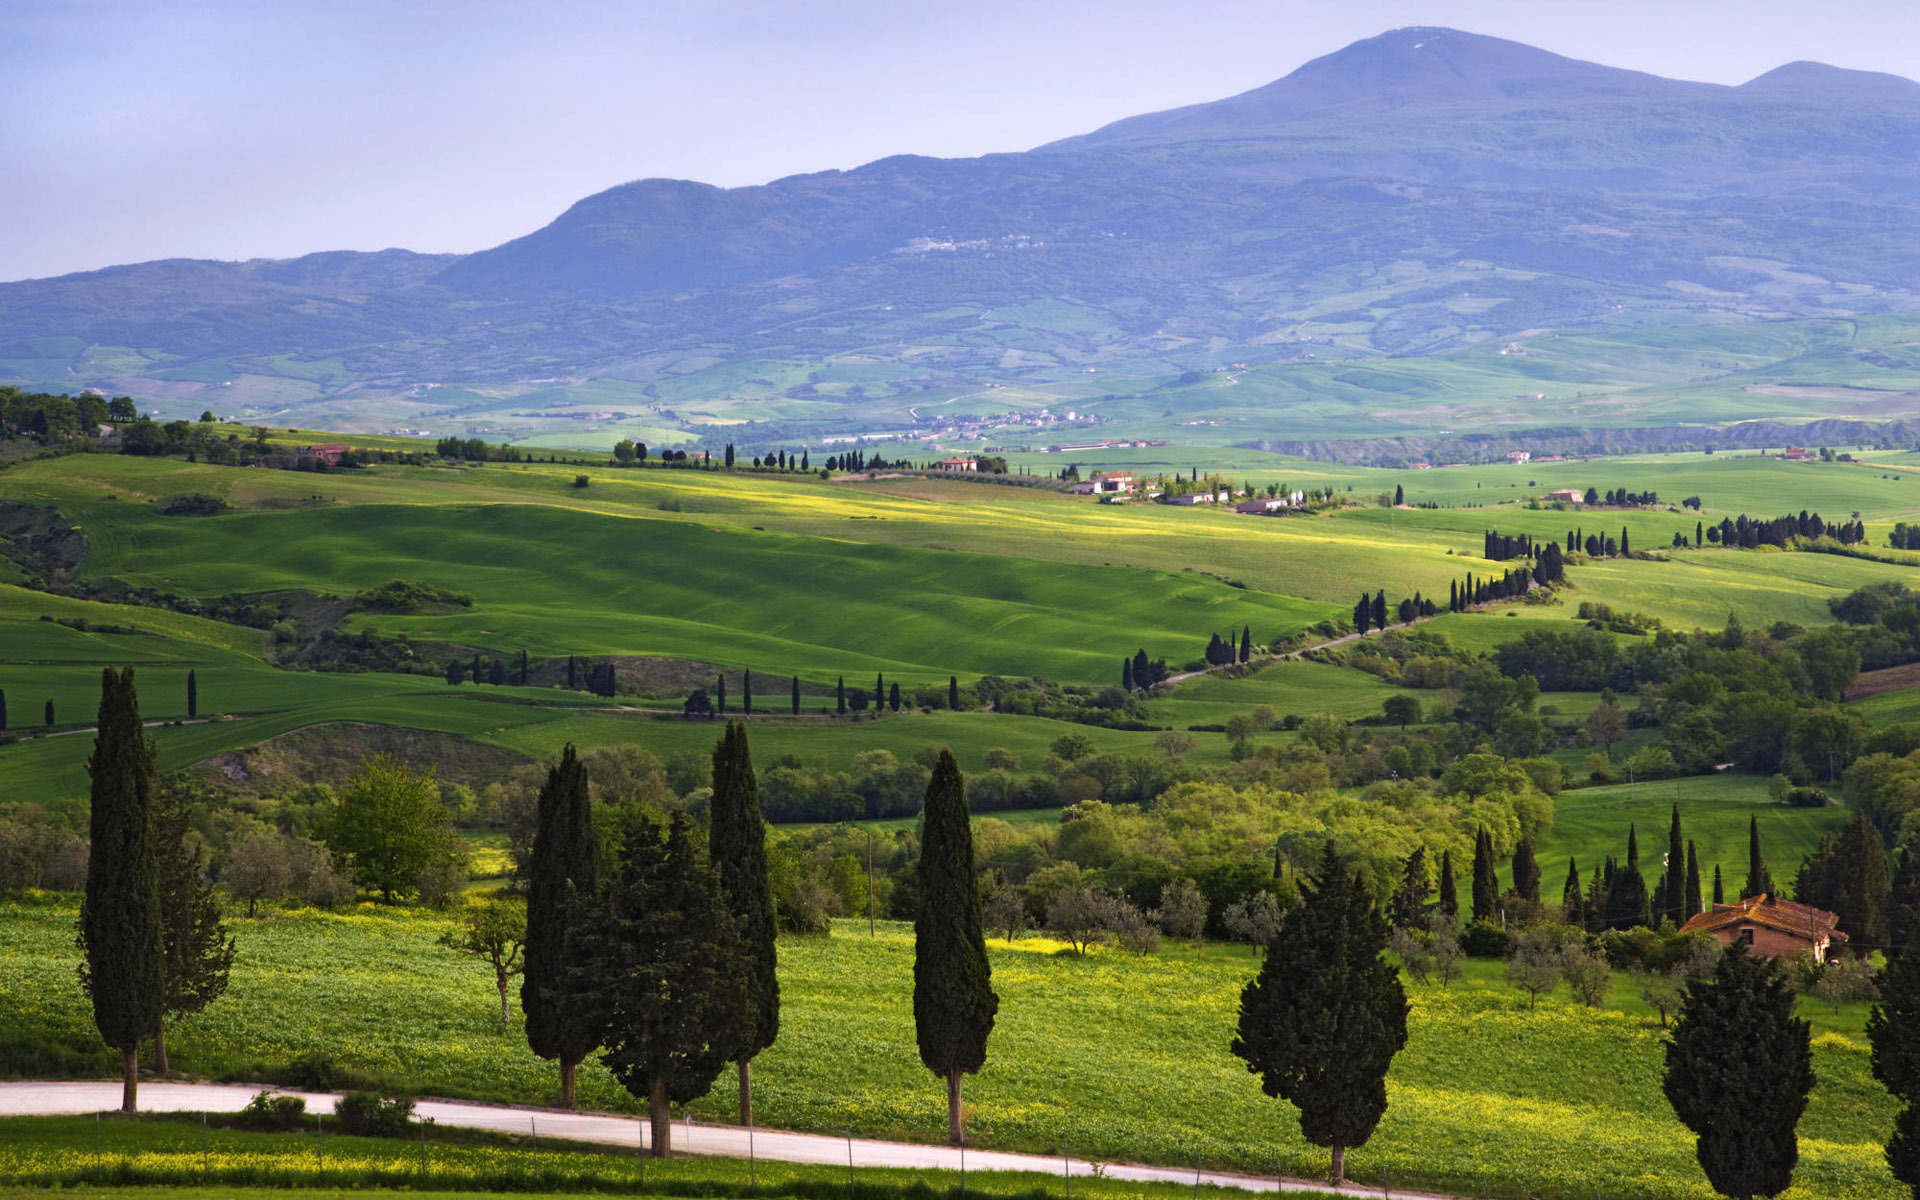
(730, 1141)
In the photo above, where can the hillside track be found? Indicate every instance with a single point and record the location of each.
(76, 1097)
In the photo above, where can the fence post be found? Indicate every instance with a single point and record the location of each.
(849, 1133)
(533, 1131)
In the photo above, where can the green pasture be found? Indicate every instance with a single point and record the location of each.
(1591, 823)
(1123, 1057)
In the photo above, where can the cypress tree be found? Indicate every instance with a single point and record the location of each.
(893, 696)
(1246, 643)
(1486, 882)
(49, 714)
(193, 695)
(1676, 872)
(3, 710)
(1363, 614)
(1526, 871)
(746, 692)
(1893, 1029)
(1719, 889)
(953, 690)
(123, 968)
(1739, 1068)
(1126, 679)
(478, 677)
(1571, 896)
(523, 668)
(1321, 1022)
(1380, 609)
(879, 691)
(953, 999)
(573, 673)
(562, 875)
(1410, 901)
(1449, 898)
(737, 843)
(195, 948)
(840, 694)
(1695, 902)
(1623, 541)
(720, 692)
(670, 992)
(1759, 879)
(796, 695)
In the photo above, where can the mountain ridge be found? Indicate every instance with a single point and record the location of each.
(1412, 193)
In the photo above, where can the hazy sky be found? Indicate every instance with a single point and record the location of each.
(153, 129)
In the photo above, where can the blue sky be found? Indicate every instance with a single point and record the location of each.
(221, 129)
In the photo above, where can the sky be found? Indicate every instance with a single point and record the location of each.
(226, 129)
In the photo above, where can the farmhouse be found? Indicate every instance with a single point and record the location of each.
(1516, 457)
(959, 464)
(1189, 499)
(1264, 504)
(328, 454)
(1567, 495)
(1770, 926)
(1102, 484)
(1795, 454)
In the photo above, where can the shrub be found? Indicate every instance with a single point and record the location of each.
(193, 504)
(1484, 939)
(408, 596)
(269, 1111)
(369, 1114)
(1808, 797)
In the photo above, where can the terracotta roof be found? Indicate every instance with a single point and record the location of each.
(1787, 916)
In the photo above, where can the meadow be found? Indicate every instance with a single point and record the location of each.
(916, 578)
(1123, 1057)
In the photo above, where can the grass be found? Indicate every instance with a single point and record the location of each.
(1123, 1057)
(174, 1155)
(1591, 823)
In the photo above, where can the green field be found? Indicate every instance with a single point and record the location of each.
(1121, 1056)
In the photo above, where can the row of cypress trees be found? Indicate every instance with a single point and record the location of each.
(670, 967)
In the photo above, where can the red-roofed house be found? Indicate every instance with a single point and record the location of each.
(959, 464)
(329, 454)
(1770, 926)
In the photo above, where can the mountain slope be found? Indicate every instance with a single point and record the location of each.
(1413, 193)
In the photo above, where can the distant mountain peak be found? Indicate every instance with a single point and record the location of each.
(1817, 79)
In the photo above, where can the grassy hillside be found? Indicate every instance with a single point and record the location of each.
(1123, 1057)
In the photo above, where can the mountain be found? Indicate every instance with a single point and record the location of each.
(1415, 193)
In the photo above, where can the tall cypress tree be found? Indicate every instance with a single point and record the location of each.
(953, 689)
(796, 695)
(737, 842)
(193, 695)
(197, 952)
(1739, 1069)
(479, 676)
(1526, 871)
(670, 991)
(746, 692)
(1893, 1028)
(3, 710)
(879, 691)
(1696, 903)
(562, 876)
(1719, 889)
(1676, 873)
(893, 695)
(953, 999)
(1449, 898)
(573, 673)
(523, 668)
(1126, 680)
(1246, 643)
(1380, 609)
(1486, 881)
(1759, 879)
(124, 965)
(840, 696)
(720, 693)
(1321, 1022)
(1572, 896)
